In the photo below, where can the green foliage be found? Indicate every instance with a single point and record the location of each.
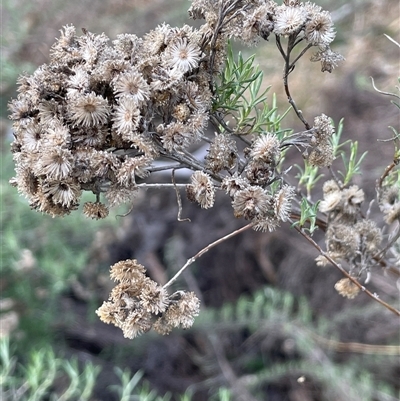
(335, 139)
(14, 34)
(268, 306)
(35, 380)
(271, 311)
(44, 376)
(308, 216)
(40, 256)
(308, 177)
(350, 162)
(239, 93)
(349, 156)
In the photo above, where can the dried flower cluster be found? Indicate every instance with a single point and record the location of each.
(138, 304)
(100, 115)
(350, 236)
(389, 202)
(347, 288)
(321, 153)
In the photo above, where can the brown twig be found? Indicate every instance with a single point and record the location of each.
(358, 348)
(288, 68)
(345, 273)
(388, 169)
(178, 198)
(204, 250)
(382, 92)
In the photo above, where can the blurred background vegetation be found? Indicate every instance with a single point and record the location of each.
(271, 327)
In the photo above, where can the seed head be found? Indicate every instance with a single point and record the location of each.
(347, 288)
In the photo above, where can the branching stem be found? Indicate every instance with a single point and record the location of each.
(288, 68)
(345, 273)
(204, 250)
(388, 169)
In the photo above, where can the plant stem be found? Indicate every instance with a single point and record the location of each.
(345, 273)
(204, 250)
(288, 68)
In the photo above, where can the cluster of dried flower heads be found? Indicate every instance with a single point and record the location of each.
(138, 304)
(350, 237)
(99, 115)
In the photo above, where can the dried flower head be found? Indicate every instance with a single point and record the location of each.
(128, 44)
(126, 117)
(392, 214)
(352, 199)
(107, 312)
(222, 153)
(324, 128)
(155, 41)
(330, 202)
(49, 112)
(175, 136)
(201, 190)
(347, 288)
(282, 202)
(131, 167)
(162, 326)
(370, 234)
(233, 184)
(31, 137)
(138, 304)
(259, 173)
(181, 112)
(95, 210)
(389, 203)
(319, 30)
(328, 58)
(78, 82)
(266, 149)
(251, 202)
(127, 270)
(266, 223)
(289, 20)
(330, 186)
(54, 164)
(390, 196)
(137, 322)
(117, 194)
(88, 110)
(131, 84)
(342, 239)
(332, 196)
(66, 192)
(153, 297)
(258, 24)
(184, 307)
(21, 110)
(182, 55)
(321, 156)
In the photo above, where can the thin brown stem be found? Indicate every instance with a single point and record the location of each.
(345, 273)
(388, 169)
(299, 56)
(178, 198)
(174, 166)
(382, 92)
(204, 250)
(394, 239)
(288, 68)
